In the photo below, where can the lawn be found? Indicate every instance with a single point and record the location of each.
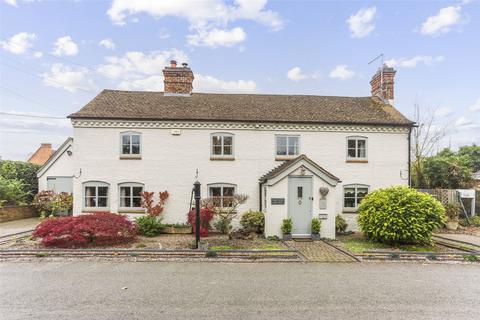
(357, 244)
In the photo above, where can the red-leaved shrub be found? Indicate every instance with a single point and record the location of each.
(100, 228)
(206, 215)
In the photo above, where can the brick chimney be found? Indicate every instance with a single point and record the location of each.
(177, 81)
(383, 84)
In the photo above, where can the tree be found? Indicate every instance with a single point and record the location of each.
(226, 211)
(447, 170)
(16, 173)
(473, 154)
(425, 140)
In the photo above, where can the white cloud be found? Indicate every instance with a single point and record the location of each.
(362, 23)
(217, 38)
(413, 62)
(201, 83)
(19, 43)
(163, 33)
(443, 112)
(341, 72)
(15, 2)
(476, 106)
(211, 84)
(65, 46)
(70, 79)
(206, 18)
(135, 64)
(464, 123)
(107, 44)
(38, 54)
(445, 19)
(295, 74)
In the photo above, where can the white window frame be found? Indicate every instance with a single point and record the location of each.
(222, 135)
(354, 186)
(130, 185)
(95, 184)
(130, 155)
(287, 145)
(221, 186)
(356, 139)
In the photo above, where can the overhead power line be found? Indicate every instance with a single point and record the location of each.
(32, 116)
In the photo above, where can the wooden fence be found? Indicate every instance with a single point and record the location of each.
(445, 196)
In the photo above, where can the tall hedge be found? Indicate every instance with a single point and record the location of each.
(19, 172)
(400, 215)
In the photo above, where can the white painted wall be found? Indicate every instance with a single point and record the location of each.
(169, 162)
(62, 167)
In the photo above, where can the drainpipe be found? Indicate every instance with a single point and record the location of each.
(409, 156)
(260, 184)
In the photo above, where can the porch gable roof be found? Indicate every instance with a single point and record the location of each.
(285, 166)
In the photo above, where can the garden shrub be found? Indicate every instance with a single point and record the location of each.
(97, 229)
(340, 224)
(49, 203)
(149, 226)
(287, 226)
(451, 211)
(316, 225)
(21, 172)
(253, 221)
(206, 215)
(400, 215)
(12, 192)
(475, 221)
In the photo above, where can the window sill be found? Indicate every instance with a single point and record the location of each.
(350, 211)
(90, 210)
(284, 158)
(130, 157)
(219, 158)
(132, 211)
(356, 161)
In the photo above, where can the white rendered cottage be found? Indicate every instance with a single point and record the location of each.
(295, 156)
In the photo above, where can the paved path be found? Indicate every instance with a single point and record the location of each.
(16, 226)
(319, 251)
(475, 240)
(128, 290)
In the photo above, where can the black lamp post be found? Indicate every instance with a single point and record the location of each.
(196, 191)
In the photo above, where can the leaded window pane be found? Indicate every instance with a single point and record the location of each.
(125, 139)
(215, 191)
(282, 150)
(135, 139)
(227, 150)
(102, 191)
(126, 149)
(135, 149)
(102, 201)
(351, 153)
(351, 144)
(89, 201)
(136, 202)
(136, 191)
(90, 191)
(349, 203)
(227, 141)
(217, 150)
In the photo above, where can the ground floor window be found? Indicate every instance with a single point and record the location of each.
(130, 196)
(221, 194)
(96, 195)
(352, 195)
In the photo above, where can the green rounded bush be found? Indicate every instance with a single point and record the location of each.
(149, 226)
(400, 215)
(253, 221)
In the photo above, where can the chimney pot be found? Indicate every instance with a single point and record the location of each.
(173, 64)
(185, 64)
(46, 145)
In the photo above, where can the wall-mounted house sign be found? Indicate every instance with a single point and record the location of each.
(278, 201)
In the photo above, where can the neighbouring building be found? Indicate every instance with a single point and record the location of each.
(297, 156)
(42, 154)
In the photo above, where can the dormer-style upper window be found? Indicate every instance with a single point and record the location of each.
(356, 148)
(222, 145)
(130, 144)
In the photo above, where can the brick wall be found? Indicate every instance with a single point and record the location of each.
(17, 213)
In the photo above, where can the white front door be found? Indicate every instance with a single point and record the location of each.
(300, 204)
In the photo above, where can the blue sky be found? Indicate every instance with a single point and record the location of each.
(57, 55)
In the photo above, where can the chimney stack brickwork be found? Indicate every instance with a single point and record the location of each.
(178, 81)
(387, 92)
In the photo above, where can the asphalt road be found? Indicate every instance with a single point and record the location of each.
(168, 290)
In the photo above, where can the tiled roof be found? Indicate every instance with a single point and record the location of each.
(141, 105)
(42, 154)
(289, 163)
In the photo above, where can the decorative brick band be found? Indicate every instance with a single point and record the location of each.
(80, 123)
